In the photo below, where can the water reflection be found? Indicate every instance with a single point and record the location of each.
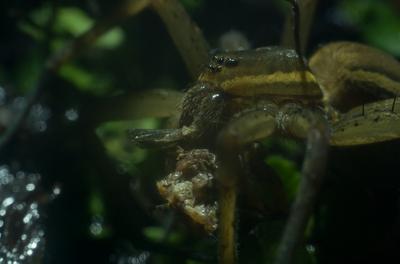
(21, 234)
(9, 106)
(96, 226)
(38, 117)
(72, 114)
(136, 257)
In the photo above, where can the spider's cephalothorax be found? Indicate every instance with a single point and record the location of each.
(239, 81)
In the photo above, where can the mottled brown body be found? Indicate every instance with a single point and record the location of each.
(352, 74)
(271, 72)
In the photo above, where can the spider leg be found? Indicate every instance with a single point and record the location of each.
(370, 123)
(159, 138)
(302, 122)
(248, 127)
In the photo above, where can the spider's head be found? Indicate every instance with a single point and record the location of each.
(272, 72)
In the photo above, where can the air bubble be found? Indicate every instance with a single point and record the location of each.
(8, 201)
(30, 187)
(72, 114)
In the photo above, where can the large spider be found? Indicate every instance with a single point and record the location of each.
(345, 96)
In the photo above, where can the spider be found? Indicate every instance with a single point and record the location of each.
(344, 96)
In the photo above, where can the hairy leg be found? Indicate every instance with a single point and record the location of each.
(201, 107)
(248, 127)
(369, 123)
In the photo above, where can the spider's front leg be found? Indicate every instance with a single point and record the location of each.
(202, 108)
(247, 127)
(300, 122)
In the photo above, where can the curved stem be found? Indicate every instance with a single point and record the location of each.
(307, 10)
(226, 223)
(312, 175)
(187, 37)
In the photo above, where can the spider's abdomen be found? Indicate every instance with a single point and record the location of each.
(275, 72)
(352, 74)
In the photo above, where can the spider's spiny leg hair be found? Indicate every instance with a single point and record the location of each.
(242, 130)
(158, 138)
(394, 103)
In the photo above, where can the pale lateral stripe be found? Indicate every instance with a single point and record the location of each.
(257, 84)
(379, 79)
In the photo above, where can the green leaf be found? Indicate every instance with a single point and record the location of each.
(76, 22)
(113, 135)
(96, 204)
(288, 172)
(73, 21)
(159, 234)
(111, 39)
(85, 80)
(378, 21)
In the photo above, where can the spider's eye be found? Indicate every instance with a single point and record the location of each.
(231, 62)
(219, 59)
(214, 68)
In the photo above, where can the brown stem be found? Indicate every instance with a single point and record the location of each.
(312, 176)
(226, 224)
(184, 32)
(157, 103)
(307, 10)
(128, 9)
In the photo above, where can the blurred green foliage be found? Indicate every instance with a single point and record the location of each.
(160, 234)
(68, 22)
(85, 80)
(193, 5)
(288, 171)
(113, 135)
(378, 22)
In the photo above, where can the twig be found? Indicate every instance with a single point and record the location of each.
(307, 10)
(129, 8)
(226, 224)
(54, 63)
(158, 103)
(184, 32)
(312, 176)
